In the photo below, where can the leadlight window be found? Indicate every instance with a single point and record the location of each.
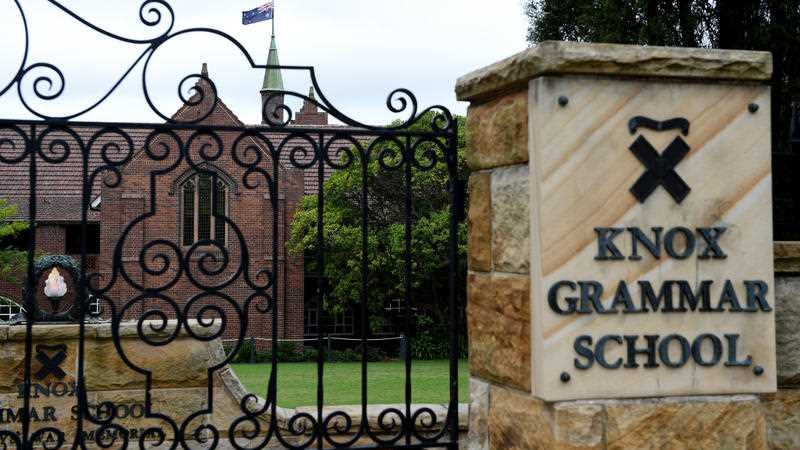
(343, 322)
(311, 319)
(95, 309)
(204, 200)
(8, 309)
(335, 324)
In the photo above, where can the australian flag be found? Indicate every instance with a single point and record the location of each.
(263, 12)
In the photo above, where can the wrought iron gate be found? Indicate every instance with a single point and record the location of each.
(233, 289)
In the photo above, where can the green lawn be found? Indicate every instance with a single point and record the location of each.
(297, 382)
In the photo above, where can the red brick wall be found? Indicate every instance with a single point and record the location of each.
(50, 239)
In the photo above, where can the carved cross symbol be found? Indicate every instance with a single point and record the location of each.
(50, 365)
(660, 167)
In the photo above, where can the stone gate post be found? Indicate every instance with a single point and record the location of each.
(621, 283)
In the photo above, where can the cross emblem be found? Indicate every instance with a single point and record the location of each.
(660, 167)
(50, 364)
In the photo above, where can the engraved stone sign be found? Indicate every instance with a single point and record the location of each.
(651, 223)
(114, 391)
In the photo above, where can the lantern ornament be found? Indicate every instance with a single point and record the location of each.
(55, 290)
(55, 286)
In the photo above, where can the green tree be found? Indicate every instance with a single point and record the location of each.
(675, 23)
(12, 260)
(386, 243)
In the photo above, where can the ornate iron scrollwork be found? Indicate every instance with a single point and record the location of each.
(423, 140)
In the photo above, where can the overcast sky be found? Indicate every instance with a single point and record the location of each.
(362, 50)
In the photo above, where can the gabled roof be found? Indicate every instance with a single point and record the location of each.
(59, 186)
(192, 111)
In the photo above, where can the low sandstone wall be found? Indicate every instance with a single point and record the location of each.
(178, 379)
(179, 388)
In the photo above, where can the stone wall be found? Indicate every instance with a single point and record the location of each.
(182, 369)
(179, 378)
(505, 413)
(783, 408)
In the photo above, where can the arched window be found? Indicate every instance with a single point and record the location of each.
(202, 199)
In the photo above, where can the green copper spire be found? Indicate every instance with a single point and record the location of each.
(273, 80)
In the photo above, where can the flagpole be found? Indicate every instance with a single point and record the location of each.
(273, 18)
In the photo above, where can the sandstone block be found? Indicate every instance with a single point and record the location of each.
(177, 404)
(45, 413)
(47, 332)
(782, 411)
(129, 410)
(511, 219)
(787, 256)
(12, 365)
(519, 421)
(179, 364)
(787, 329)
(552, 57)
(498, 318)
(497, 132)
(686, 423)
(182, 363)
(12, 362)
(479, 222)
(579, 425)
(478, 434)
(155, 329)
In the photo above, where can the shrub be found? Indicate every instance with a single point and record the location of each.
(243, 355)
(264, 357)
(310, 354)
(288, 352)
(432, 341)
(375, 354)
(346, 355)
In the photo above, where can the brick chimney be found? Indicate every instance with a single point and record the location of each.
(310, 114)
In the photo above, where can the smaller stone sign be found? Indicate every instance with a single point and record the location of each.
(180, 383)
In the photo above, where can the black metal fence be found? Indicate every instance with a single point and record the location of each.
(230, 286)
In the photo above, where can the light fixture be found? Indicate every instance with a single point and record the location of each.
(54, 286)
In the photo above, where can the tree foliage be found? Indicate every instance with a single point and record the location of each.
(770, 25)
(12, 260)
(386, 231)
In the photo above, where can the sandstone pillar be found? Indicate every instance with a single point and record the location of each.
(621, 285)
(782, 409)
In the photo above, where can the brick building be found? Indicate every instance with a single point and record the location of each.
(146, 210)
